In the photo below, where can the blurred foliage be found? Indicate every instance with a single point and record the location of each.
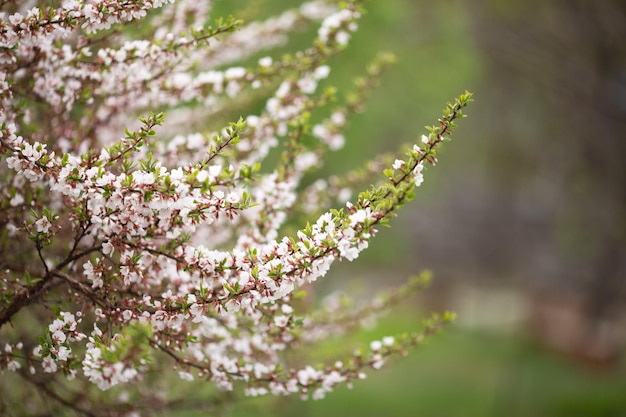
(515, 201)
(507, 204)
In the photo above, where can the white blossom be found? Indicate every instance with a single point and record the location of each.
(172, 237)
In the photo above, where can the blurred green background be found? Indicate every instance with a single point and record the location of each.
(522, 221)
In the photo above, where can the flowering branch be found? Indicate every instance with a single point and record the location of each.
(134, 244)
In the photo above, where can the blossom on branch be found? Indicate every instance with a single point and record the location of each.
(139, 235)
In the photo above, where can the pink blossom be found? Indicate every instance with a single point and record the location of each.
(173, 238)
(49, 365)
(13, 365)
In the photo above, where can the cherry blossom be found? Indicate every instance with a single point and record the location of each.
(143, 237)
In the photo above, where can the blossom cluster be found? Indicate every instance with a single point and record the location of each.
(134, 239)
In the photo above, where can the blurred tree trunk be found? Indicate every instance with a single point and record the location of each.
(557, 112)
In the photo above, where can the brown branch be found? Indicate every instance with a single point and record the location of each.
(33, 292)
(44, 387)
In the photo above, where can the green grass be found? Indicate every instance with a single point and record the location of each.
(465, 374)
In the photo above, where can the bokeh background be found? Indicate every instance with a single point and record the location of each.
(522, 221)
